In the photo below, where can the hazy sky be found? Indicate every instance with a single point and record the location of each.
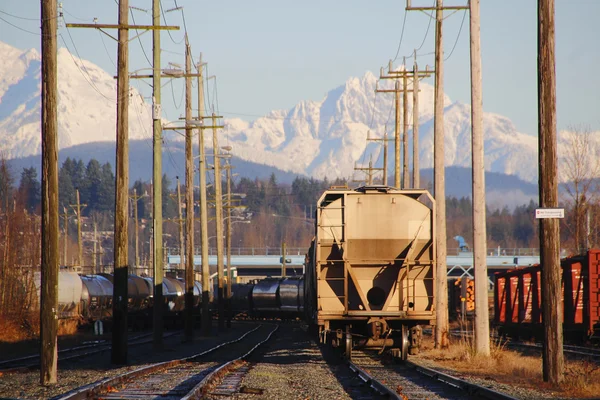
(270, 54)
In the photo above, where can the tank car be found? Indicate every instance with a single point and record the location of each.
(371, 267)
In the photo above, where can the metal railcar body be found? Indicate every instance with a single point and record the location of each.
(371, 267)
(518, 300)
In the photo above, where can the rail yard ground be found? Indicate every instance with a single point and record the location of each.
(294, 366)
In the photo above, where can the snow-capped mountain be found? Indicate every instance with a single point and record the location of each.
(319, 138)
(86, 103)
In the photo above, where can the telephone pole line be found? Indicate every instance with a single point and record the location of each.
(482, 319)
(119, 341)
(405, 74)
(552, 311)
(189, 200)
(369, 172)
(396, 92)
(417, 76)
(442, 324)
(77, 208)
(50, 256)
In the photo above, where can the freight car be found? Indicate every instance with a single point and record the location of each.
(89, 298)
(518, 300)
(271, 297)
(371, 267)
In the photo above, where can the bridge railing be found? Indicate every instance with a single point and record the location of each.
(262, 251)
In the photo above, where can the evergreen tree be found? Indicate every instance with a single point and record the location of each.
(30, 189)
(106, 194)
(91, 188)
(6, 185)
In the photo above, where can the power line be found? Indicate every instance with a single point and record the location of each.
(457, 36)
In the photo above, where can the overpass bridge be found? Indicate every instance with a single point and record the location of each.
(459, 264)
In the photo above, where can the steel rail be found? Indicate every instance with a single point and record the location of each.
(90, 390)
(200, 389)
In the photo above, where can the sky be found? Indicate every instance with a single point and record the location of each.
(268, 55)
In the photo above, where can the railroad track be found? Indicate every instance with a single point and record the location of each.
(407, 380)
(186, 378)
(580, 352)
(72, 353)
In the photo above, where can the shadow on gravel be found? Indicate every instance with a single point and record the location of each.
(294, 345)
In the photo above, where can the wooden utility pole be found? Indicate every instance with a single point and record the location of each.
(228, 168)
(206, 318)
(66, 231)
(404, 74)
(441, 328)
(120, 278)
(553, 362)
(219, 224)
(157, 217)
(94, 258)
(385, 151)
(369, 171)
(396, 92)
(119, 332)
(50, 262)
(441, 306)
(405, 171)
(417, 75)
(77, 208)
(135, 199)
(482, 319)
(189, 200)
(180, 225)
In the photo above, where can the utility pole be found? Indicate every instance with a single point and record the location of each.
(283, 263)
(385, 151)
(405, 172)
(396, 92)
(180, 224)
(135, 199)
(482, 319)
(66, 237)
(94, 259)
(189, 200)
(552, 312)
(119, 349)
(119, 334)
(442, 324)
(77, 208)
(369, 171)
(228, 168)
(229, 206)
(206, 319)
(404, 74)
(157, 217)
(50, 257)
(219, 224)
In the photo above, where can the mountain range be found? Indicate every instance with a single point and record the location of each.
(325, 138)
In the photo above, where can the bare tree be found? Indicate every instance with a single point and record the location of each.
(578, 170)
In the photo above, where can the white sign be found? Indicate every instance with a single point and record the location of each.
(549, 213)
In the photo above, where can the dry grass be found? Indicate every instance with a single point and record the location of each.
(582, 379)
(15, 328)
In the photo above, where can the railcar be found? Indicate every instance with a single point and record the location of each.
(270, 297)
(370, 273)
(518, 300)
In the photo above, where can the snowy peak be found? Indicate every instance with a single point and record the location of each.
(86, 103)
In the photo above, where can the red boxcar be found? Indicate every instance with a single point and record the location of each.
(518, 299)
